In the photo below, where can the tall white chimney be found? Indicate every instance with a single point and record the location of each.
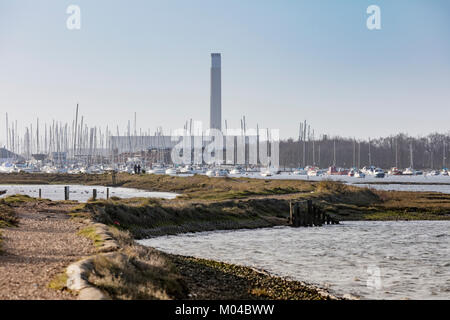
(216, 93)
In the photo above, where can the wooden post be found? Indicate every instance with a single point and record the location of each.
(40, 193)
(107, 193)
(66, 193)
(303, 212)
(291, 221)
(319, 217)
(94, 194)
(310, 213)
(307, 214)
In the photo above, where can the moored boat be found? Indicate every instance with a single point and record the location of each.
(395, 172)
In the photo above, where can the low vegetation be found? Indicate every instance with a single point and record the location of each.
(136, 272)
(90, 233)
(8, 217)
(146, 218)
(59, 282)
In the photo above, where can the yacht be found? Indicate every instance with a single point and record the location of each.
(359, 174)
(334, 171)
(266, 173)
(6, 167)
(395, 172)
(186, 169)
(157, 169)
(445, 172)
(313, 172)
(300, 172)
(379, 173)
(95, 169)
(221, 173)
(171, 171)
(408, 172)
(368, 170)
(236, 171)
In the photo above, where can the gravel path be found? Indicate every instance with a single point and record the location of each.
(45, 242)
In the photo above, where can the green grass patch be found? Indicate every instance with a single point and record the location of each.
(59, 282)
(17, 199)
(91, 233)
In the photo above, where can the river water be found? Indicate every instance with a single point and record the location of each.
(370, 260)
(80, 193)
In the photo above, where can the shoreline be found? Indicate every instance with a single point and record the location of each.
(211, 204)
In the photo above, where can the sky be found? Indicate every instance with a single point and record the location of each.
(283, 61)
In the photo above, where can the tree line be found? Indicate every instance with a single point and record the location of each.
(428, 152)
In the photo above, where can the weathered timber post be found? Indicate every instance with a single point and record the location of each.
(301, 215)
(291, 220)
(107, 193)
(317, 216)
(40, 193)
(94, 194)
(66, 193)
(307, 214)
(314, 215)
(310, 213)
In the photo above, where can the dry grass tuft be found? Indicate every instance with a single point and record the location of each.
(59, 282)
(8, 216)
(91, 233)
(136, 272)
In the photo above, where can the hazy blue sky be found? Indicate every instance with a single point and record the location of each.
(282, 62)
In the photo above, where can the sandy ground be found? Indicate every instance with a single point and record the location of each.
(45, 242)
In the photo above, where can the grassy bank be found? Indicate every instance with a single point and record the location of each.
(156, 217)
(147, 217)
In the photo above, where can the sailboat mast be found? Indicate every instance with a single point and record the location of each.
(411, 155)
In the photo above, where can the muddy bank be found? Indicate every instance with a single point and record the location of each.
(137, 272)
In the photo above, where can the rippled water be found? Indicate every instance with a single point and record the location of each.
(374, 260)
(80, 193)
(409, 187)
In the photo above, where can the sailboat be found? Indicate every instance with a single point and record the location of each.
(410, 171)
